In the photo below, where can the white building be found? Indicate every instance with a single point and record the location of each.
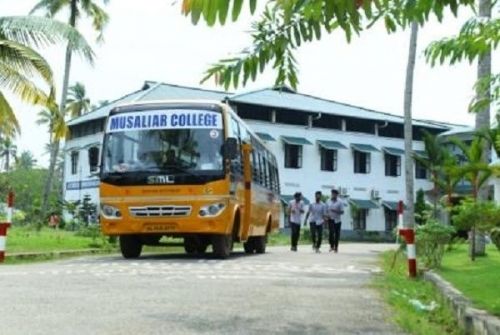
(319, 144)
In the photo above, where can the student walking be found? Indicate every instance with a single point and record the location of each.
(335, 210)
(318, 212)
(295, 212)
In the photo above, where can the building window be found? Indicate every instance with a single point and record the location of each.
(420, 171)
(293, 156)
(359, 219)
(391, 220)
(328, 160)
(74, 162)
(392, 165)
(93, 159)
(361, 162)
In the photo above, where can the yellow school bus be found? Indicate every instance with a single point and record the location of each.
(187, 169)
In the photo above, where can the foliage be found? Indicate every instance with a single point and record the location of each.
(78, 102)
(432, 239)
(286, 25)
(422, 213)
(398, 291)
(88, 7)
(477, 280)
(475, 170)
(22, 68)
(495, 237)
(477, 37)
(485, 215)
(8, 150)
(25, 161)
(27, 186)
(87, 210)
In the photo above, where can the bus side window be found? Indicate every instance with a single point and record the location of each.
(254, 167)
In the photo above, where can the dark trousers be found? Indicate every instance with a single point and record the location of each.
(334, 234)
(316, 234)
(295, 233)
(312, 229)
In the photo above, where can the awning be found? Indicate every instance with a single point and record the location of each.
(393, 151)
(331, 145)
(265, 136)
(285, 199)
(391, 205)
(364, 147)
(295, 140)
(363, 204)
(420, 153)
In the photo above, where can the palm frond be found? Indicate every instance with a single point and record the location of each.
(26, 60)
(20, 85)
(49, 7)
(41, 32)
(8, 121)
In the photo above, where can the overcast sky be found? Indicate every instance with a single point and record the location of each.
(151, 40)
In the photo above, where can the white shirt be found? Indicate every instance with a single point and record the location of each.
(337, 205)
(296, 211)
(317, 212)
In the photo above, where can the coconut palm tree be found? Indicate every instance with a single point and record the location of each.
(23, 71)
(78, 103)
(8, 150)
(99, 20)
(25, 161)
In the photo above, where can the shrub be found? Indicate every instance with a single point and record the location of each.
(485, 215)
(495, 237)
(432, 239)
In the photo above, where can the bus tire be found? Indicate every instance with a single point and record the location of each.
(222, 245)
(260, 244)
(130, 246)
(202, 246)
(249, 246)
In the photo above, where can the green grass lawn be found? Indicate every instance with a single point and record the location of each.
(397, 289)
(477, 280)
(30, 240)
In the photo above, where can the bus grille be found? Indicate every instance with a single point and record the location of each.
(149, 211)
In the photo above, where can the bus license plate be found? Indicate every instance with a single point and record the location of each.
(160, 227)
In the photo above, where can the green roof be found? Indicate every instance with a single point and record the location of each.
(265, 136)
(363, 204)
(393, 151)
(295, 140)
(391, 205)
(364, 147)
(287, 198)
(331, 145)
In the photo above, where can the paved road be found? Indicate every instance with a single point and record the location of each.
(277, 293)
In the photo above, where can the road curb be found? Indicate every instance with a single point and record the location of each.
(472, 320)
(57, 253)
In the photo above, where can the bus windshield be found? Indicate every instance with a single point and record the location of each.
(189, 150)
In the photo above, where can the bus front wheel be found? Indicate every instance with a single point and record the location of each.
(130, 246)
(222, 245)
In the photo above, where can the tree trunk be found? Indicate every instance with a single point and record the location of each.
(408, 133)
(62, 107)
(482, 122)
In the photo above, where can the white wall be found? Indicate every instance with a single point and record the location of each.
(310, 178)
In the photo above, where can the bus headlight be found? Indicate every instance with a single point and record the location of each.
(211, 210)
(110, 212)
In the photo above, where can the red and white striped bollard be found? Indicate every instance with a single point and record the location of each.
(6, 225)
(409, 236)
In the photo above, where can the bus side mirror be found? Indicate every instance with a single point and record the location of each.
(231, 148)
